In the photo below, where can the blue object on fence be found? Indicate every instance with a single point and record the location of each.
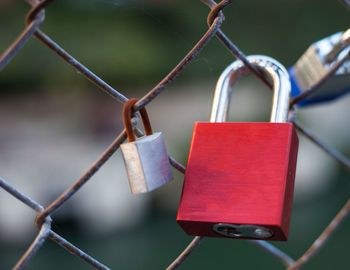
(314, 64)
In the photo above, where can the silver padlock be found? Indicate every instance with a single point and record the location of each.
(314, 64)
(146, 159)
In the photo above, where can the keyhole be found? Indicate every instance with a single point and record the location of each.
(230, 231)
(243, 230)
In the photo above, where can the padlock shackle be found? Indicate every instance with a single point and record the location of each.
(272, 69)
(127, 112)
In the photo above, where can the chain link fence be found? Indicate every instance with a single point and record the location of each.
(215, 19)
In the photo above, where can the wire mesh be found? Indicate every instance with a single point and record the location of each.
(34, 19)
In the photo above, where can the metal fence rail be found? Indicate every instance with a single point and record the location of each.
(34, 19)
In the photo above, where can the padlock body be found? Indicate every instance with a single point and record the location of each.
(334, 87)
(312, 67)
(147, 163)
(241, 174)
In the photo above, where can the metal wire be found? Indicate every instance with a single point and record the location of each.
(323, 238)
(346, 3)
(18, 44)
(35, 10)
(35, 18)
(343, 160)
(183, 63)
(187, 252)
(215, 10)
(280, 255)
(20, 196)
(325, 77)
(80, 67)
(76, 251)
(35, 246)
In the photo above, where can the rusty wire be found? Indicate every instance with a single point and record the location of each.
(34, 19)
(37, 8)
(346, 3)
(230, 46)
(83, 179)
(323, 238)
(343, 160)
(277, 253)
(187, 252)
(141, 103)
(183, 63)
(322, 80)
(43, 233)
(22, 39)
(35, 246)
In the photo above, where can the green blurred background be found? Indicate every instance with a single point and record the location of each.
(132, 45)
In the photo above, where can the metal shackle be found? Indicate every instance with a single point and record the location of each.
(272, 69)
(127, 113)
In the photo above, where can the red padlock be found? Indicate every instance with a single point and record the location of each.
(239, 180)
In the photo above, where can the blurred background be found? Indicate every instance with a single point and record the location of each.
(55, 123)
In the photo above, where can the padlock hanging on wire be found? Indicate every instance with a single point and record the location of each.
(146, 159)
(315, 63)
(239, 180)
